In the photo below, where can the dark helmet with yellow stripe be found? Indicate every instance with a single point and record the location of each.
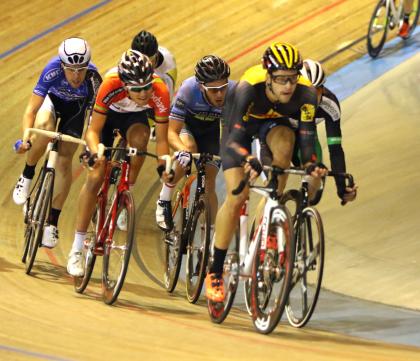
(281, 56)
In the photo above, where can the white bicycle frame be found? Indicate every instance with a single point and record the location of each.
(247, 253)
(395, 12)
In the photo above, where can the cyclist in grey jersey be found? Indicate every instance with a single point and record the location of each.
(195, 126)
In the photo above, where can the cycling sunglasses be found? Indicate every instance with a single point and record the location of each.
(139, 88)
(214, 89)
(75, 70)
(284, 79)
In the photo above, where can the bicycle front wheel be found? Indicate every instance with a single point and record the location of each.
(308, 269)
(37, 214)
(117, 248)
(88, 251)
(174, 245)
(218, 311)
(198, 249)
(272, 271)
(378, 28)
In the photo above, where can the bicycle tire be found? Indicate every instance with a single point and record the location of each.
(308, 268)
(174, 244)
(40, 208)
(88, 251)
(247, 283)
(198, 254)
(380, 9)
(111, 286)
(272, 273)
(218, 311)
(416, 10)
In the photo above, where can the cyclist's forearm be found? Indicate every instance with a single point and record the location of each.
(162, 148)
(35, 103)
(175, 141)
(28, 120)
(92, 141)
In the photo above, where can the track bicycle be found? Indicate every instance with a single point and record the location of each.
(38, 205)
(191, 232)
(264, 260)
(388, 14)
(105, 237)
(310, 249)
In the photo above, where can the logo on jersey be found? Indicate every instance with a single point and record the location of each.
(51, 74)
(307, 112)
(158, 101)
(180, 104)
(108, 98)
(331, 108)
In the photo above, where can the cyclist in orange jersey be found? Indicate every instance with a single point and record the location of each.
(122, 102)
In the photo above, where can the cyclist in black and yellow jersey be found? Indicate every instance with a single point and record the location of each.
(272, 102)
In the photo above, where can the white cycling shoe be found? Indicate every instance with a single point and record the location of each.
(50, 236)
(75, 264)
(21, 191)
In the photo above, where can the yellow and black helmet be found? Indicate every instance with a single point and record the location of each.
(281, 56)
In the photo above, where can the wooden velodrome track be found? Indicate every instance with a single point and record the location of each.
(42, 317)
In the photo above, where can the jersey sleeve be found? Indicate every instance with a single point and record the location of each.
(330, 110)
(179, 106)
(47, 78)
(160, 101)
(104, 95)
(236, 115)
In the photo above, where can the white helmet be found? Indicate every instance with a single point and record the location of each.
(313, 71)
(74, 51)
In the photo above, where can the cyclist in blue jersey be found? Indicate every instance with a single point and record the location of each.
(65, 91)
(195, 126)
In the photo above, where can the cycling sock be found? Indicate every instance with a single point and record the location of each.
(218, 260)
(79, 239)
(166, 192)
(54, 215)
(29, 171)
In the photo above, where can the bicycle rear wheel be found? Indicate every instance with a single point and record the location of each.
(37, 215)
(272, 271)
(308, 268)
(117, 250)
(378, 28)
(174, 244)
(218, 311)
(88, 251)
(198, 249)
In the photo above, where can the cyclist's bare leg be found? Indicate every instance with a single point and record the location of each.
(137, 137)
(63, 175)
(228, 214)
(281, 141)
(46, 121)
(87, 197)
(211, 173)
